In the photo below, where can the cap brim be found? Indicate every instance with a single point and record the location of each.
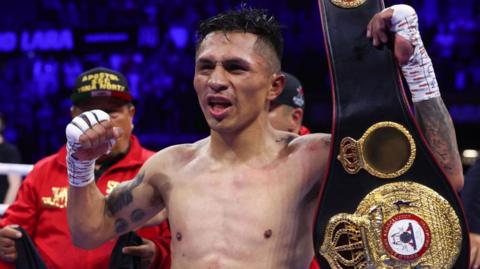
(78, 98)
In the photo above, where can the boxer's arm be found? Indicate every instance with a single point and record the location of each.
(417, 68)
(158, 218)
(437, 126)
(132, 204)
(93, 218)
(314, 150)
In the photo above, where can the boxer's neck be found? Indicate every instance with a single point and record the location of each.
(252, 142)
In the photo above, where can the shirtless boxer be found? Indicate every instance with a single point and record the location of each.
(244, 197)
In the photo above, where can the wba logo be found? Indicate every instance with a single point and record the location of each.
(406, 236)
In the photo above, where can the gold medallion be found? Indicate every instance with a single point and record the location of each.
(396, 226)
(385, 150)
(348, 3)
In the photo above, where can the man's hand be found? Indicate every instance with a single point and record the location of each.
(378, 30)
(474, 250)
(417, 69)
(146, 251)
(8, 235)
(89, 136)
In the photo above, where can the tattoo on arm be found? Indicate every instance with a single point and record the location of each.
(122, 196)
(437, 126)
(121, 225)
(137, 215)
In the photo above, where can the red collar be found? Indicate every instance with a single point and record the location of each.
(303, 130)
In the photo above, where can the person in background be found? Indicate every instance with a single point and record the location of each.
(9, 153)
(286, 111)
(40, 207)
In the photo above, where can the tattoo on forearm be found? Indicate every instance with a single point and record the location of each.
(437, 126)
(121, 225)
(122, 196)
(137, 215)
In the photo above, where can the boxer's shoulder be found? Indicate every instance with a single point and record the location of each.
(174, 156)
(316, 141)
(313, 151)
(285, 138)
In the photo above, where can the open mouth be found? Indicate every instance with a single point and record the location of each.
(218, 105)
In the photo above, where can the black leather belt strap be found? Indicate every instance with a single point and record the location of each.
(367, 89)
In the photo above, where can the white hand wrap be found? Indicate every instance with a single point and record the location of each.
(81, 173)
(418, 72)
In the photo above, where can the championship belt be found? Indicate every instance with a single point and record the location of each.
(385, 202)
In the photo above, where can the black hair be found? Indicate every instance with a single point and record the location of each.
(248, 20)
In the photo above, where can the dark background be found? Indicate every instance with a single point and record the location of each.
(44, 45)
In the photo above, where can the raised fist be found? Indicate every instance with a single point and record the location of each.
(89, 136)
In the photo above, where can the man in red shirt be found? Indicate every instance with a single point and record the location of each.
(286, 111)
(41, 204)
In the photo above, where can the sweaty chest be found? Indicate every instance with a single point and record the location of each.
(237, 201)
(236, 212)
(241, 189)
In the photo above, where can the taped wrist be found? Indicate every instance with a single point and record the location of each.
(418, 72)
(80, 173)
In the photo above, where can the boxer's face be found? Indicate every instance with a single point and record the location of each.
(121, 115)
(233, 80)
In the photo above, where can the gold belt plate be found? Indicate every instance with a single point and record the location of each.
(385, 150)
(348, 3)
(396, 226)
